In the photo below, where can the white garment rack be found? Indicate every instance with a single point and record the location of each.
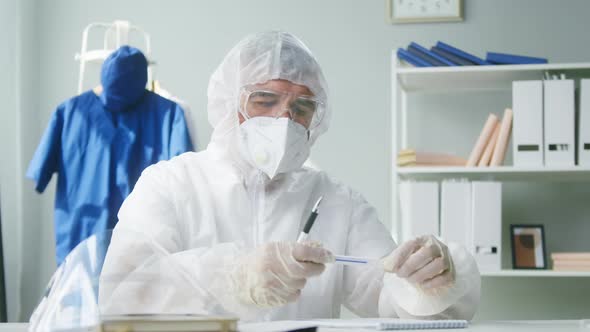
(116, 34)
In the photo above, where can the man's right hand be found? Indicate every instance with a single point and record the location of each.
(276, 272)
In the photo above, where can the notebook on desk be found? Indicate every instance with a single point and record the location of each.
(392, 323)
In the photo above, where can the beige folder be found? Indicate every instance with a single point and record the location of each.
(482, 141)
(487, 154)
(503, 138)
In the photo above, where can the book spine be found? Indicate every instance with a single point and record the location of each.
(411, 59)
(570, 256)
(425, 57)
(459, 61)
(570, 268)
(503, 138)
(571, 263)
(489, 151)
(482, 141)
(512, 59)
(461, 53)
(425, 51)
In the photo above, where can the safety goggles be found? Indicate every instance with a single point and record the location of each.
(305, 110)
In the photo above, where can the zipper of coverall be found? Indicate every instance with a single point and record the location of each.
(258, 213)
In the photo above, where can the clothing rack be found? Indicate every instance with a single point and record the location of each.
(116, 34)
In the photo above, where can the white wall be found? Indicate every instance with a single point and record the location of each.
(35, 230)
(9, 167)
(353, 43)
(19, 128)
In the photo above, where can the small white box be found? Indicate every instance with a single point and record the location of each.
(455, 212)
(584, 124)
(527, 133)
(419, 205)
(486, 206)
(559, 122)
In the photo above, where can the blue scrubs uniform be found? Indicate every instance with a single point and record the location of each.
(99, 154)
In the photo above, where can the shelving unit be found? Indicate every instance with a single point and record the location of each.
(477, 79)
(496, 173)
(535, 273)
(430, 79)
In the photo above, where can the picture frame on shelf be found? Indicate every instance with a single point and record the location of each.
(528, 247)
(424, 11)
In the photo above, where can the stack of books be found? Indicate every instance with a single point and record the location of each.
(490, 148)
(571, 261)
(443, 54)
(409, 157)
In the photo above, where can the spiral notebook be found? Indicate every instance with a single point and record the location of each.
(392, 324)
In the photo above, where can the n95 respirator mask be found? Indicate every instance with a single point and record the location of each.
(273, 145)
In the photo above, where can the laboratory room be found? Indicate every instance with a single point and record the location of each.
(275, 165)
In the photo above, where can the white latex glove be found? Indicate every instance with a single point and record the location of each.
(423, 261)
(276, 272)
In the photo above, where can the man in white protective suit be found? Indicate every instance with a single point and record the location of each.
(214, 232)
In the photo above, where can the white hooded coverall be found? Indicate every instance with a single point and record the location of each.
(190, 221)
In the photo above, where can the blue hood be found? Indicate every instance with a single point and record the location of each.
(123, 77)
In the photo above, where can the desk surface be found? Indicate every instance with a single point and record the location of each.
(491, 326)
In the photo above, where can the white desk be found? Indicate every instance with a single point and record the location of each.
(490, 326)
(13, 327)
(493, 326)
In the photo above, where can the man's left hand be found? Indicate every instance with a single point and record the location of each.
(424, 261)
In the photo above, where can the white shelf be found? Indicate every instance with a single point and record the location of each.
(465, 79)
(535, 273)
(498, 77)
(503, 173)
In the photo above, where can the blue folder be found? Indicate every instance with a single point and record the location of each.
(512, 59)
(461, 54)
(432, 57)
(451, 57)
(412, 59)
